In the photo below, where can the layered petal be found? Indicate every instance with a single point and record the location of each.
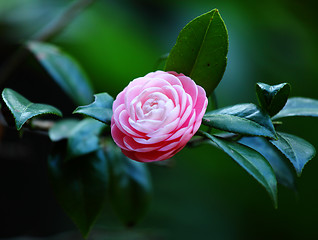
(155, 116)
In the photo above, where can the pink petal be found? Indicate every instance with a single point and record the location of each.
(182, 98)
(145, 126)
(124, 123)
(154, 74)
(171, 116)
(155, 114)
(118, 136)
(169, 147)
(172, 94)
(202, 102)
(186, 137)
(139, 111)
(152, 156)
(189, 87)
(176, 74)
(130, 95)
(129, 154)
(196, 126)
(138, 82)
(151, 140)
(173, 80)
(165, 129)
(115, 117)
(132, 145)
(120, 99)
(177, 134)
(185, 116)
(156, 82)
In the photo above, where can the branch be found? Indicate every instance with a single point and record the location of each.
(45, 34)
(59, 24)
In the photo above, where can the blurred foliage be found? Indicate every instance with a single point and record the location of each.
(116, 41)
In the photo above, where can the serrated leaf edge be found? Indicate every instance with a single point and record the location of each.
(19, 126)
(296, 169)
(273, 136)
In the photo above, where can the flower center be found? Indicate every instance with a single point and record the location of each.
(150, 105)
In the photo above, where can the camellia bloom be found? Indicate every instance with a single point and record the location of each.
(156, 115)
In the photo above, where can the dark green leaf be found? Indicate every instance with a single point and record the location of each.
(272, 98)
(213, 103)
(299, 106)
(80, 186)
(247, 119)
(64, 70)
(100, 109)
(296, 149)
(83, 138)
(62, 129)
(252, 161)
(282, 171)
(200, 51)
(161, 61)
(23, 110)
(131, 188)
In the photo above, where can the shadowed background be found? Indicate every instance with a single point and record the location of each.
(204, 195)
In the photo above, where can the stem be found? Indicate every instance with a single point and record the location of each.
(59, 24)
(195, 142)
(43, 125)
(45, 34)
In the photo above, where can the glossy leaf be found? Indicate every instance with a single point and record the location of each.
(64, 70)
(200, 51)
(252, 162)
(130, 187)
(83, 138)
(247, 119)
(62, 129)
(100, 109)
(23, 110)
(79, 186)
(299, 106)
(272, 98)
(296, 149)
(282, 171)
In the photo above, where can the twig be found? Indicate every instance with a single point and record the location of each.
(59, 24)
(45, 34)
(43, 125)
(202, 138)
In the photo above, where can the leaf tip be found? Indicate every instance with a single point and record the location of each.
(76, 110)
(275, 198)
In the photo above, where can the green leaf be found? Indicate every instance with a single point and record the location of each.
(62, 129)
(23, 110)
(130, 187)
(252, 162)
(282, 171)
(80, 186)
(272, 98)
(299, 106)
(296, 149)
(200, 51)
(83, 138)
(64, 70)
(247, 119)
(100, 109)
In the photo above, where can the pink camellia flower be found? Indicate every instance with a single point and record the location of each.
(156, 115)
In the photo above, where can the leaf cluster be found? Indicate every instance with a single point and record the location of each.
(255, 144)
(86, 168)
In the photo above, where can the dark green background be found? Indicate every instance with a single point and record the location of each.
(205, 195)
